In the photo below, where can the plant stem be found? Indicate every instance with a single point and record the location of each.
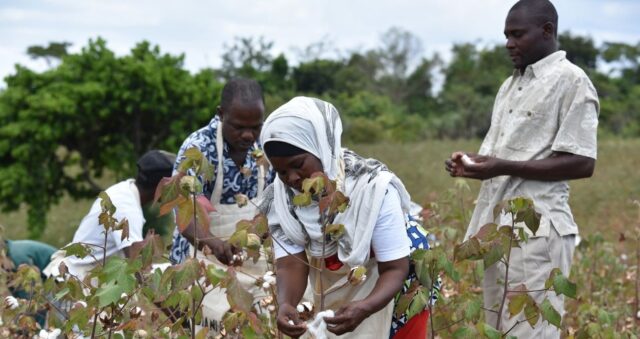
(516, 324)
(637, 313)
(324, 241)
(506, 275)
(194, 306)
(430, 306)
(293, 256)
(195, 224)
(104, 262)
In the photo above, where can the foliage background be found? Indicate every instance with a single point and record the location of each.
(73, 130)
(94, 112)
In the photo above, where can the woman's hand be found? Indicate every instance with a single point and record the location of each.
(348, 317)
(287, 315)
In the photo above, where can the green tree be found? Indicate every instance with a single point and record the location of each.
(53, 51)
(580, 50)
(62, 128)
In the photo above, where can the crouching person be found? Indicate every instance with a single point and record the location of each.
(128, 197)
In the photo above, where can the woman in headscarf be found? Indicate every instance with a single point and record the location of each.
(303, 137)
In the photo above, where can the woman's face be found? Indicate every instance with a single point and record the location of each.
(292, 170)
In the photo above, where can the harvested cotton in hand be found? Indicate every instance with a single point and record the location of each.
(318, 327)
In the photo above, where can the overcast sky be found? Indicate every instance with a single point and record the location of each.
(200, 29)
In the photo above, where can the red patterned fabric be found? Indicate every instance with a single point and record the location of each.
(415, 328)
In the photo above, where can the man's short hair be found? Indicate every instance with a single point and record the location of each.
(243, 90)
(542, 11)
(153, 166)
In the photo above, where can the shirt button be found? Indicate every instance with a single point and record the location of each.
(510, 110)
(519, 88)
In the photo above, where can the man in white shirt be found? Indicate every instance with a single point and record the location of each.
(542, 134)
(128, 196)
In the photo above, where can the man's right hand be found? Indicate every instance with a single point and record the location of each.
(289, 322)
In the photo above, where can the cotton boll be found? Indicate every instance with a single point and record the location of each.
(467, 161)
(11, 303)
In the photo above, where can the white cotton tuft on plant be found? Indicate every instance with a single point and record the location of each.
(290, 322)
(53, 334)
(318, 327)
(271, 308)
(11, 303)
(308, 305)
(80, 303)
(266, 285)
(269, 278)
(300, 308)
(466, 160)
(140, 334)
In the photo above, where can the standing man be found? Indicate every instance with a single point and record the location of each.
(239, 121)
(542, 134)
(228, 142)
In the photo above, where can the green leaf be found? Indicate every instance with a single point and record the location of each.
(206, 171)
(202, 334)
(339, 203)
(239, 239)
(488, 331)
(105, 203)
(517, 303)
(314, 184)
(196, 293)
(550, 314)
(77, 249)
(335, 231)
(422, 267)
(109, 293)
(562, 285)
(253, 242)
(261, 225)
(184, 215)
(418, 304)
(244, 225)
(238, 297)
(469, 249)
(403, 302)
(465, 333)
(531, 312)
(203, 207)
(493, 254)
(185, 274)
(302, 199)
(487, 232)
(472, 310)
(215, 275)
(61, 294)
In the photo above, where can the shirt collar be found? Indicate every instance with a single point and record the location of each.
(542, 66)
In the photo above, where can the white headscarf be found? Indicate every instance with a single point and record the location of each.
(314, 125)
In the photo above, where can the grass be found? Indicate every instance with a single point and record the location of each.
(600, 204)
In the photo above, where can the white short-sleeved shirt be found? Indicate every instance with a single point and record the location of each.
(126, 198)
(389, 241)
(552, 107)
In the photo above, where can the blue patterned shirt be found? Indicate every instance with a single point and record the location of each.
(234, 180)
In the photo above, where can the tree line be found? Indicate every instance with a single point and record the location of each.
(94, 111)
